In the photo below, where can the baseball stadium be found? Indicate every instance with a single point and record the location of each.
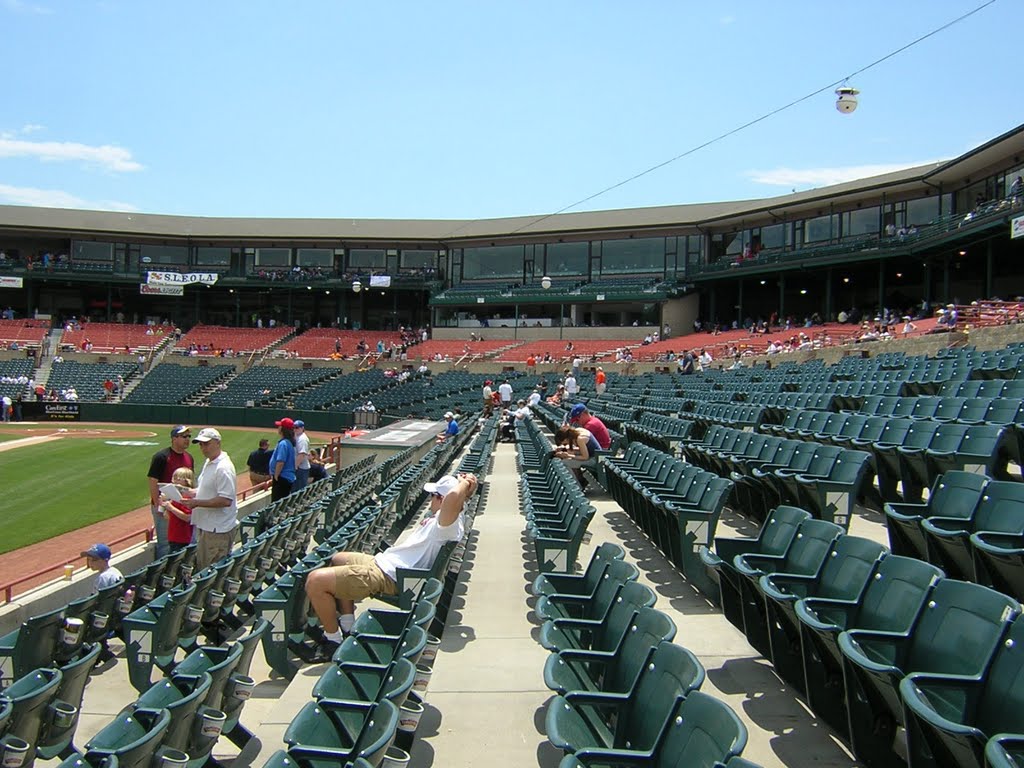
(803, 542)
(315, 456)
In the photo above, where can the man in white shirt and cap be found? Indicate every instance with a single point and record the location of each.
(352, 576)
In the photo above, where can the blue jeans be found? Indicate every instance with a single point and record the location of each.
(301, 479)
(160, 527)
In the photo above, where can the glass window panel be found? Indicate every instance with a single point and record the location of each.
(773, 236)
(418, 259)
(819, 229)
(646, 254)
(213, 257)
(923, 210)
(861, 222)
(567, 258)
(495, 262)
(86, 251)
(273, 257)
(163, 254)
(315, 257)
(367, 258)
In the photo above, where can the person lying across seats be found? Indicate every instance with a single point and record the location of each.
(352, 576)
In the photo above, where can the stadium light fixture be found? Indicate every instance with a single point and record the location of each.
(545, 282)
(846, 99)
(356, 286)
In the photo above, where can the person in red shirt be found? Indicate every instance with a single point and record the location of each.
(580, 416)
(600, 381)
(179, 517)
(161, 470)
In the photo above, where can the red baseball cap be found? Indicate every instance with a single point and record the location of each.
(286, 423)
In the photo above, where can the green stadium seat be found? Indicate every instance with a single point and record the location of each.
(579, 583)
(151, 634)
(67, 704)
(367, 682)
(895, 595)
(31, 697)
(631, 719)
(954, 493)
(133, 738)
(601, 633)
(330, 732)
(615, 671)
(805, 557)
(774, 538)
(949, 539)
(182, 696)
(594, 605)
(29, 647)
(844, 576)
(699, 731)
(999, 555)
(1005, 751)
(956, 634)
(950, 719)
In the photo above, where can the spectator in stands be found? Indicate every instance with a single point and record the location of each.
(259, 463)
(214, 505)
(162, 467)
(8, 407)
(505, 390)
(352, 576)
(572, 388)
(179, 516)
(282, 462)
(301, 456)
(452, 427)
(577, 364)
(600, 381)
(97, 558)
(575, 446)
(579, 415)
(908, 325)
(534, 397)
(317, 470)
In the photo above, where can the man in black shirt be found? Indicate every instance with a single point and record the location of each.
(259, 463)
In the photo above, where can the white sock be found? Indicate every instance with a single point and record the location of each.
(334, 637)
(346, 621)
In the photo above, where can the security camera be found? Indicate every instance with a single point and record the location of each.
(847, 99)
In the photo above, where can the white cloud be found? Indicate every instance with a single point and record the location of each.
(726, 20)
(106, 156)
(19, 6)
(823, 177)
(56, 198)
(28, 128)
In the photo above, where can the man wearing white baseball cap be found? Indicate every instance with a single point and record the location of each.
(214, 504)
(352, 576)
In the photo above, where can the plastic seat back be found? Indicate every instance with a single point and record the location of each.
(813, 541)
(132, 738)
(895, 595)
(959, 629)
(702, 731)
(671, 673)
(30, 697)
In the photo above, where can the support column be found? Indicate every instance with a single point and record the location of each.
(881, 285)
(739, 300)
(782, 297)
(828, 295)
(945, 280)
(989, 267)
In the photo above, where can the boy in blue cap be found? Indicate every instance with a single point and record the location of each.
(97, 557)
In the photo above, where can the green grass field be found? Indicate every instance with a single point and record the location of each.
(55, 487)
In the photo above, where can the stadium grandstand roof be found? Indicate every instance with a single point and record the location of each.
(69, 221)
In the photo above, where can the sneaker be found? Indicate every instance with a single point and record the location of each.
(324, 652)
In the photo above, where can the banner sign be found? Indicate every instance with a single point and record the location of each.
(1017, 227)
(380, 281)
(10, 282)
(34, 410)
(161, 290)
(181, 278)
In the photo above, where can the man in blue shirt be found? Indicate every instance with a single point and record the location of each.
(453, 426)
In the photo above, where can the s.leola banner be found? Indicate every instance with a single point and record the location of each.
(181, 278)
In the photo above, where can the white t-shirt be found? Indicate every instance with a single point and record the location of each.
(524, 412)
(533, 399)
(217, 479)
(419, 547)
(302, 447)
(108, 577)
(570, 385)
(505, 390)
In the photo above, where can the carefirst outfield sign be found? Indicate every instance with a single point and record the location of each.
(181, 278)
(161, 290)
(34, 410)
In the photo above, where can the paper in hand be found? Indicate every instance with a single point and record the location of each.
(170, 492)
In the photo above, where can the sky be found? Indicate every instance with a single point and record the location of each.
(454, 110)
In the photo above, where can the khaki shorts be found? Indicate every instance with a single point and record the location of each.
(361, 578)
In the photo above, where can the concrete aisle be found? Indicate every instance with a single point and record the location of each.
(485, 702)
